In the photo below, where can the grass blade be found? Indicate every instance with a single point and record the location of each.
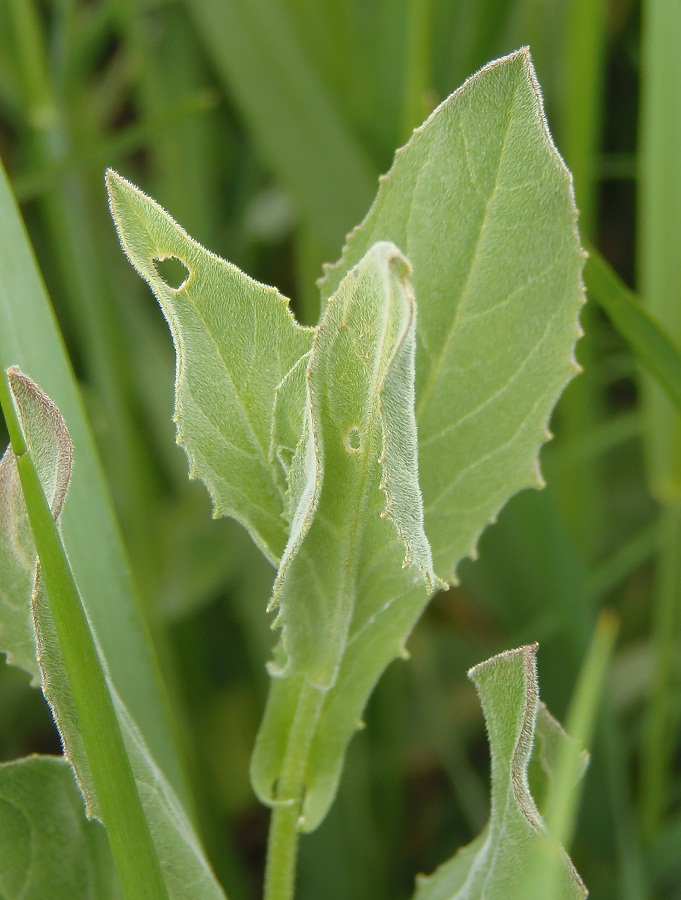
(293, 118)
(29, 338)
(133, 850)
(652, 345)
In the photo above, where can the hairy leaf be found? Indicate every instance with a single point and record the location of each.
(357, 570)
(236, 340)
(38, 801)
(497, 323)
(481, 204)
(184, 867)
(494, 866)
(52, 458)
(354, 475)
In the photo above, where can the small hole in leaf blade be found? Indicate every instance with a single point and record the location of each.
(173, 271)
(353, 439)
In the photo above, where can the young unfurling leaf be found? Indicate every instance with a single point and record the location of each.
(495, 865)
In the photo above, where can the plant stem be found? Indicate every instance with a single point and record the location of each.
(282, 845)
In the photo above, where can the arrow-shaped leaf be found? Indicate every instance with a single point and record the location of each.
(236, 340)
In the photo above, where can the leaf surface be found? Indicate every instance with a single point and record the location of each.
(358, 569)
(353, 479)
(236, 341)
(38, 800)
(481, 204)
(184, 866)
(494, 866)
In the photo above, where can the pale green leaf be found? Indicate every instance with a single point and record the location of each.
(53, 454)
(481, 204)
(354, 475)
(184, 866)
(497, 323)
(39, 800)
(496, 863)
(236, 341)
(358, 568)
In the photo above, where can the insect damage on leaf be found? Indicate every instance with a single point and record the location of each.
(235, 340)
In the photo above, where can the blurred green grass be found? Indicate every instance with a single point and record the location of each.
(262, 127)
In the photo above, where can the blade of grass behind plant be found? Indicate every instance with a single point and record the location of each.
(652, 344)
(578, 113)
(660, 287)
(417, 69)
(660, 225)
(29, 337)
(543, 878)
(292, 117)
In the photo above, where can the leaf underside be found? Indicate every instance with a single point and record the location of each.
(308, 436)
(185, 869)
(495, 865)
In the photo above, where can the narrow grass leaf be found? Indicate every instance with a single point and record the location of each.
(660, 226)
(78, 713)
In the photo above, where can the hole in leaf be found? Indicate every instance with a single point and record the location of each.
(173, 271)
(353, 439)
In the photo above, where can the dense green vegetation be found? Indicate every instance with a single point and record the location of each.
(262, 128)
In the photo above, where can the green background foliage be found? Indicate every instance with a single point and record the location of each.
(263, 135)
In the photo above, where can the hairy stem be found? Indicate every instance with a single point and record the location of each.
(282, 845)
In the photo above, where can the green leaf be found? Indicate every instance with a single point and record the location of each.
(358, 567)
(38, 801)
(495, 864)
(29, 338)
(236, 341)
(481, 204)
(184, 867)
(52, 458)
(354, 475)
(496, 329)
